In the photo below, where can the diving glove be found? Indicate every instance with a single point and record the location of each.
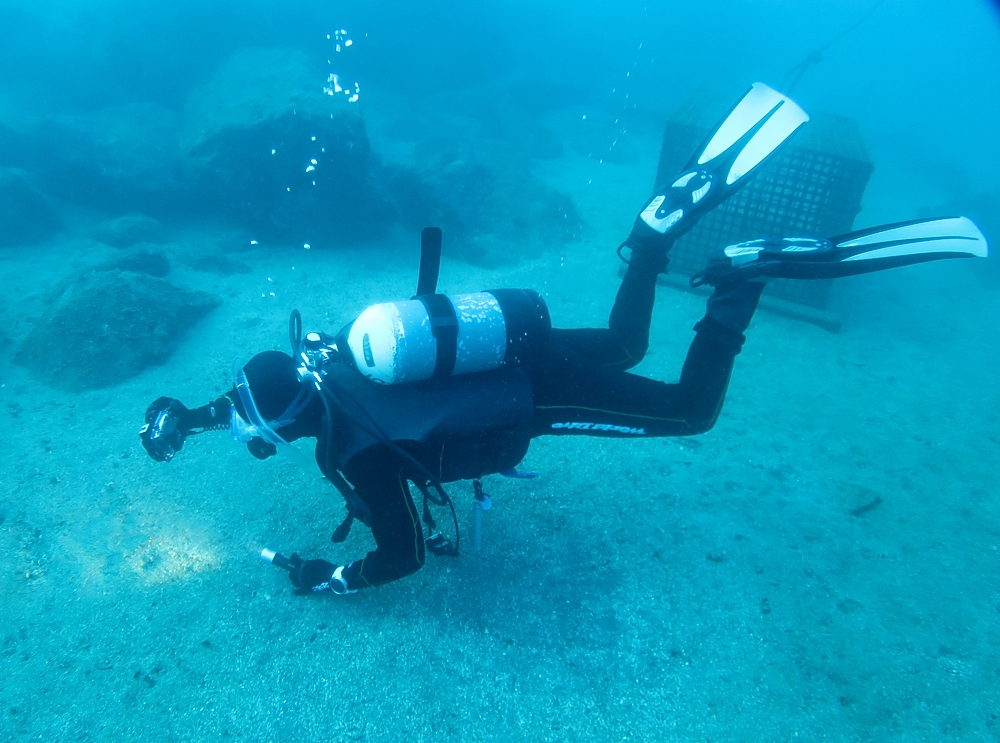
(313, 576)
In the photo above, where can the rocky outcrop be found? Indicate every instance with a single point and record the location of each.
(132, 229)
(262, 146)
(119, 160)
(266, 147)
(26, 216)
(493, 209)
(106, 326)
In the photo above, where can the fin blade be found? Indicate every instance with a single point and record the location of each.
(782, 124)
(955, 235)
(756, 106)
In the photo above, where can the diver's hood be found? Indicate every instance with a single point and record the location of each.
(270, 403)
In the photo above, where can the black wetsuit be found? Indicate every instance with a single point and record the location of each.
(578, 386)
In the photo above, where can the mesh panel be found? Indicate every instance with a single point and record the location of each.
(810, 188)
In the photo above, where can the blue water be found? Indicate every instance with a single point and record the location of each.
(821, 565)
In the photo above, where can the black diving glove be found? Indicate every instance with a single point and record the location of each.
(164, 432)
(313, 576)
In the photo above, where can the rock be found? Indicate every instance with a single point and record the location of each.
(269, 149)
(145, 261)
(26, 216)
(129, 230)
(106, 326)
(216, 263)
(492, 208)
(117, 160)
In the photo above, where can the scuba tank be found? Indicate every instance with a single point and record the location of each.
(431, 336)
(436, 335)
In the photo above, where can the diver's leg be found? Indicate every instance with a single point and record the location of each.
(742, 141)
(624, 342)
(632, 311)
(575, 396)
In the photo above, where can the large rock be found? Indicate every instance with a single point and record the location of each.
(106, 326)
(26, 215)
(117, 160)
(140, 260)
(492, 208)
(132, 229)
(267, 147)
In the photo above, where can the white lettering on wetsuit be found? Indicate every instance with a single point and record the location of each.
(601, 427)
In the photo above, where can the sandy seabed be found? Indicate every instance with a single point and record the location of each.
(821, 566)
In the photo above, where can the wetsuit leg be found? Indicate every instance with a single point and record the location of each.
(380, 481)
(575, 395)
(624, 342)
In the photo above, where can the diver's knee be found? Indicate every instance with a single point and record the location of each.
(700, 422)
(412, 565)
(633, 353)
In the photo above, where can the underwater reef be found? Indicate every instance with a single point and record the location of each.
(263, 146)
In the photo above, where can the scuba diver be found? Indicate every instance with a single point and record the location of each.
(444, 388)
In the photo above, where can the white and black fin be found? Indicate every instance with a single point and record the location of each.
(873, 249)
(744, 139)
(911, 242)
(749, 134)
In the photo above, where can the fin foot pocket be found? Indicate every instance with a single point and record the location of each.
(745, 138)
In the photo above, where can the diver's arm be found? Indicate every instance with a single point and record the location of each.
(169, 422)
(211, 417)
(379, 480)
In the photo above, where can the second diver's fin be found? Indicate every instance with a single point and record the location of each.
(873, 249)
(752, 130)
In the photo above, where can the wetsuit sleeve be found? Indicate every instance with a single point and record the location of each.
(379, 479)
(214, 416)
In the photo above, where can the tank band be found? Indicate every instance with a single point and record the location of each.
(444, 327)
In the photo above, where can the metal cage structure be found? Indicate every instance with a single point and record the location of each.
(812, 187)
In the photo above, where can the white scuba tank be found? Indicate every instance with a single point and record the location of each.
(398, 342)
